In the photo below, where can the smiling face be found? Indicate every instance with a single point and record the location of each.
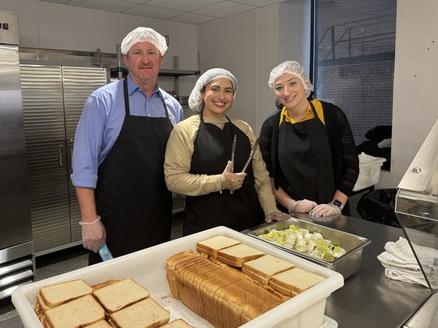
(290, 92)
(218, 97)
(143, 61)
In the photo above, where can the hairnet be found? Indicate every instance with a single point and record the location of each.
(142, 34)
(195, 99)
(294, 68)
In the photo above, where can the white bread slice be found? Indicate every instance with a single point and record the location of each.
(210, 246)
(238, 254)
(295, 279)
(100, 324)
(77, 313)
(120, 294)
(264, 267)
(180, 323)
(144, 314)
(54, 295)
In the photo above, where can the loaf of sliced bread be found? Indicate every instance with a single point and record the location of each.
(120, 294)
(57, 294)
(77, 313)
(295, 280)
(144, 314)
(180, 323)
(264, 267)
(211, 246)
(238, 254)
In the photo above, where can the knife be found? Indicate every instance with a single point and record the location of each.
(105, 253)
(233, 150)
(251, 155)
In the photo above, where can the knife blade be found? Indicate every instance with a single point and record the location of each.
(251, 155)
(233, 150)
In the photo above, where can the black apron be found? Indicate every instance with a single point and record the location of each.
(212, 151)
(131, 194)
(305, 160)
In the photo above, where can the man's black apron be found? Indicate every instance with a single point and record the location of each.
(212, 151)
(305, 160)
(131, 194)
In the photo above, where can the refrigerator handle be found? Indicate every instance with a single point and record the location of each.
(61, 162)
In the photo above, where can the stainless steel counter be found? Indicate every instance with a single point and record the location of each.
(368, 298)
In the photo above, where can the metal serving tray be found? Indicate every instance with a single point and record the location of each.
(347, 264)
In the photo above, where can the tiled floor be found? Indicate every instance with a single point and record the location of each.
(55, 264)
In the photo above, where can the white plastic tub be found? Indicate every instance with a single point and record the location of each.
(147, 268)
(369, 171)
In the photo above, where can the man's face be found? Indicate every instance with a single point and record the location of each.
(143, 61)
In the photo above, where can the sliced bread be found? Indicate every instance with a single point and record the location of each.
(77, 313)
(120, 294)
(211, 246)
(144, 314)
(100, 324)
(264, 267)
(180, 323)
(57, 294)
(238, 254)
(296, 280)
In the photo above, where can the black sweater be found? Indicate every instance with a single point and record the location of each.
(344, 156)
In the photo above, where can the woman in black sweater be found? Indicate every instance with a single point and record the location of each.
(308, 147)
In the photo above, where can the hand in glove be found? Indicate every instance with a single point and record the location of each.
(325, 210)
(93, 235)
(231, 180)
(300, 206)
(276, 216)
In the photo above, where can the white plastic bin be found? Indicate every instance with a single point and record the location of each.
(369, 171)
(147, 268)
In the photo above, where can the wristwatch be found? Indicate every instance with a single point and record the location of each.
(338, 203)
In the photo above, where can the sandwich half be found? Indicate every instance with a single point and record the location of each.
(238, 254)
(264, 267)
(294, 281)
(212, 245)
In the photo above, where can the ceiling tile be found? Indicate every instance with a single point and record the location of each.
(183, 5)
(224, 8)
(259, 3)
(149, 11)
(110, 5)
(190, 18)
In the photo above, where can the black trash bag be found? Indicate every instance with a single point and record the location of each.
(378, 206)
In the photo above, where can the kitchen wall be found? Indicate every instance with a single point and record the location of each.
(250, 44)
(56, 26)
(415, 83)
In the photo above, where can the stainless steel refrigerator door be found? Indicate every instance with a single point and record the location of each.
(15, 227)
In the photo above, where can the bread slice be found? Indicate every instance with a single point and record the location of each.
(77, 313)
(54, 295)
(120, 294)
(212, 245)
(238, 254)
(296, 280)
(144, 314)
(264, 267)
(180, 323)
(100, 324)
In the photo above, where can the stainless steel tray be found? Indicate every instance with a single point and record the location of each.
(347, 264)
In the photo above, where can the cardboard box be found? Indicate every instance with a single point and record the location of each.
(147, 268)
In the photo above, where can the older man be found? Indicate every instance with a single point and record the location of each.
(119, 152)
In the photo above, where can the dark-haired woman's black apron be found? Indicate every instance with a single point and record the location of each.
(212, 151)
(131, 194)
(305, 160)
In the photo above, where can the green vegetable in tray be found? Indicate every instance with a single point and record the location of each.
(305, 241)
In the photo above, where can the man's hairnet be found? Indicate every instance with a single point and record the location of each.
(141, 34)
(294, 68)
(195, 99)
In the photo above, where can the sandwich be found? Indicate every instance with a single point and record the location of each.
(100, 324)
(77, 313)
(53, 295)
(294, 281)
(180, 323)
(264, 267)
(144, 314)
(238, 254)
(212, 245)
(117, 295)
